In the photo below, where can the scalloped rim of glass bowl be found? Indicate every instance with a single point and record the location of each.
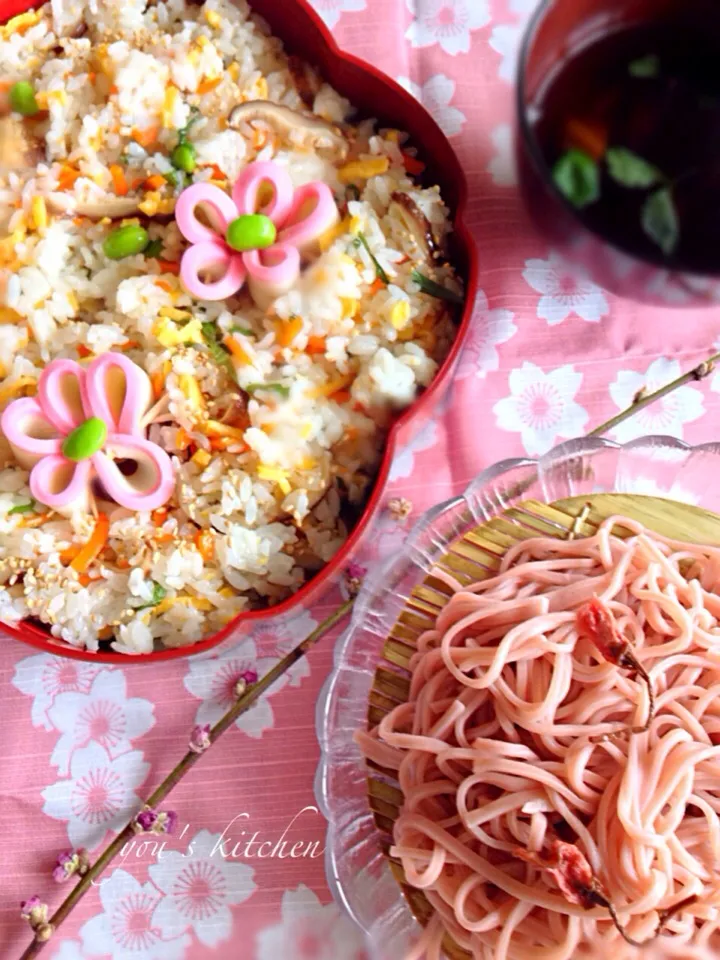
(357, 871)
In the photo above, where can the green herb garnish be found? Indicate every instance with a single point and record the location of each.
(433, 289)
(173, 177)
(660, 220)
(22, 508)
(183, 132)
(379, 272)
(577, 177)
(245, 331)
(646, 67)
(158, 594)
(630, 170)
(279, 388)
(216, 350)
(154, 248)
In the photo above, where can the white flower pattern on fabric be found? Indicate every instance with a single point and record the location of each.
(200, 887)
(542, 407)
(667, 416)
(566, 290)
(523, 8)
(505, 39)
(310, 931)
(44, 676)
(490, 328)
(502, 167)
(436, 96)
(103, 714)
(404, 463)
(332, 10)
(282, 636)
(447, 22)
(213, 680)
(69, 950)
(99, 795)
(125, 929)
(649, 487)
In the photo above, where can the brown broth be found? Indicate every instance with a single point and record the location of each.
(669, 117)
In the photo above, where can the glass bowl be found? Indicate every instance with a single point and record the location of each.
(357, 871)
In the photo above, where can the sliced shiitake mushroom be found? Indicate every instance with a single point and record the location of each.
(305, 79)
(115, 208)
(314, 131)
(417, 224)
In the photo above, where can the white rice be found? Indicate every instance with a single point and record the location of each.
(272, 503)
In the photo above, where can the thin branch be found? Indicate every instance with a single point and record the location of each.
(642, 399)
(241, 706)
(254, 692)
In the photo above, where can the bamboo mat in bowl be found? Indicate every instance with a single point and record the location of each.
(476, 556)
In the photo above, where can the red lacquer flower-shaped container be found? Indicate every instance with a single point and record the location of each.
(374, 95)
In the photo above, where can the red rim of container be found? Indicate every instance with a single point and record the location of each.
(308, 30)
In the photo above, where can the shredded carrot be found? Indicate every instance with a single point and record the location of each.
(413, 166)
(315, 345)
(222, 443)
(159, 516)
(376, 285)
(83, 351)
(164, 285)
(155, 182)
(157, 380)
(85, 579)
(93, 547)
(340, 396)
(587, 136)
(205, 544)
(288, 330)
(145, 137)
(169, 266)
(217, 173)
(137, 182)
(205, 86)
(237, 351)
(120, 184)
(113, 90)
(68, 176)
(78, 221)
(92, 76)
(123, 563)
(182, 439)
(129, 345)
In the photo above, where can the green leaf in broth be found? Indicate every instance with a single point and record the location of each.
(645, 68)
(577, 177)
(630, 170)
(660, 220)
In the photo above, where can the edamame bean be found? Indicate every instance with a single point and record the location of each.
(125, 242)
(85, 440)
(184, 157)
(253, 231)
(22, 99)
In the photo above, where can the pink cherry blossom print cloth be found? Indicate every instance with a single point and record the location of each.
(551, 356)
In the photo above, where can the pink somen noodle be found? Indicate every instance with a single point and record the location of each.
(559, 754)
